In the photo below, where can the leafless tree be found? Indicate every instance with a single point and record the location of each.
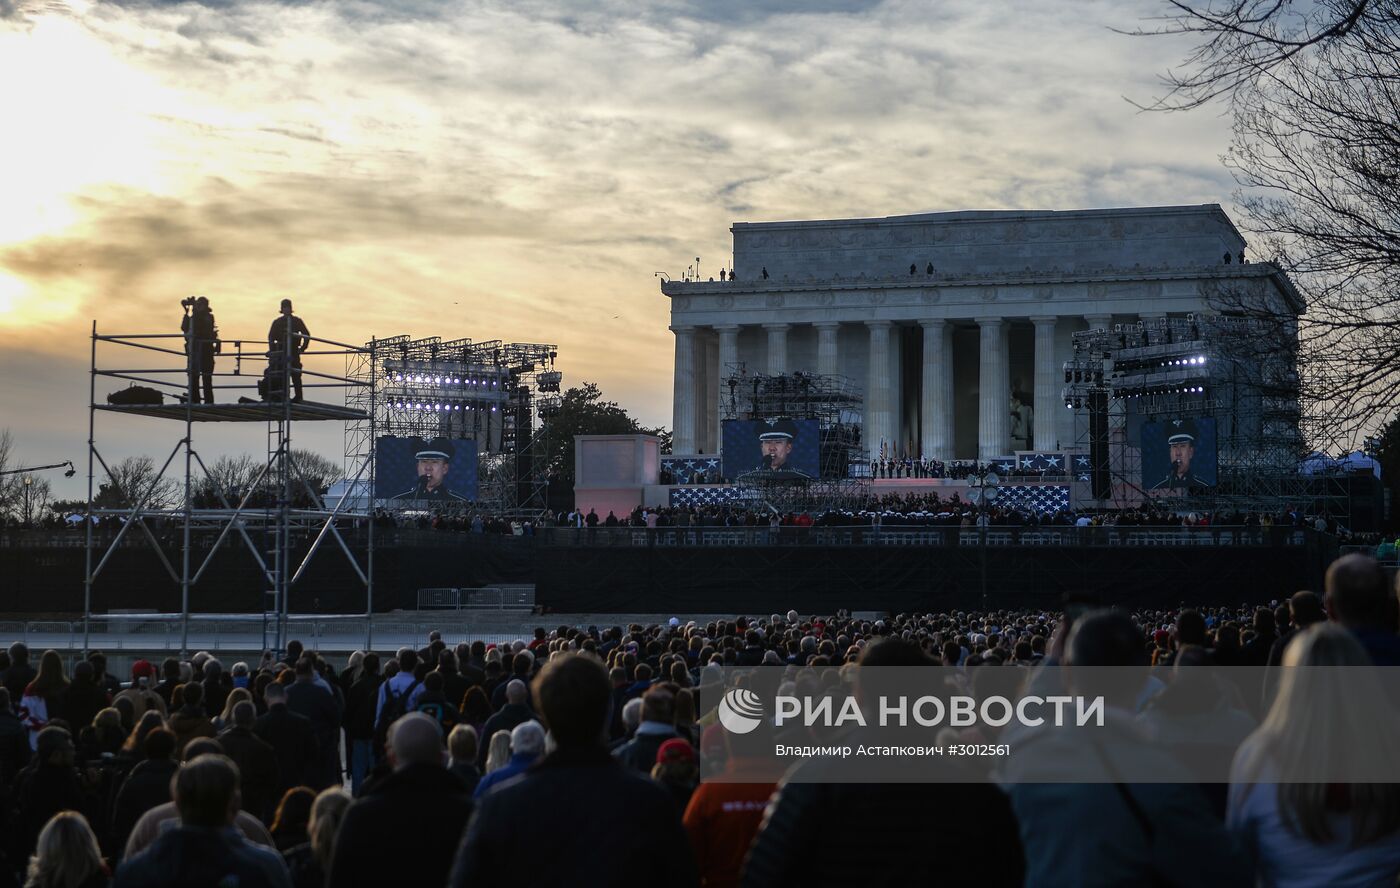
(1314, 93)
(131, 479)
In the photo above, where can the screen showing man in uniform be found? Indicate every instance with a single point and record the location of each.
(1179, 454)
(425, 471)
(787, 446)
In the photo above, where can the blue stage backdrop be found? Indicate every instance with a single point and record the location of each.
(792, 445)
(425, 472)
(1178, 454)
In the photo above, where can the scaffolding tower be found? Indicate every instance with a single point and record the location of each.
(835, 402)
(1240, 371)
(275, 513)
(493, 392)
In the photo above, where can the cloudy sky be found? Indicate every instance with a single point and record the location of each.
(517, 170)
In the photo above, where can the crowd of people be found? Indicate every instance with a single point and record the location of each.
(584, 747)
(893, 509)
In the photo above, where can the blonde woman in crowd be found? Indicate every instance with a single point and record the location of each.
(67, 855)
(1301, 828)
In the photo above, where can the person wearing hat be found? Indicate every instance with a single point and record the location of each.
(434, 461)
(775, 445)
(287, 338)
(201, 344)
(1181, 444)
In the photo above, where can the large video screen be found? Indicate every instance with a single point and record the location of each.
(425, 472)
(1179, 454)
(789, 446)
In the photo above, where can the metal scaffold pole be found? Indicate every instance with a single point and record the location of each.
(87, 514)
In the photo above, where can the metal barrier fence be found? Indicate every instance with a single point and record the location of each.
(160, 634)
(487, 598)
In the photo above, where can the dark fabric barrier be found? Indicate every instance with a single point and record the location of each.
(679, 579)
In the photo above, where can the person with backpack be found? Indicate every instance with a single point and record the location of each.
(433, 702)
(397, 695)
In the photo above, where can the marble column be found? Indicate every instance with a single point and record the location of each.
(1100, 321)
(1048, 375)
(827, 358)
(936, 408)
(994, 388)
(727, 358)
(877, 390)
(1064, 335)
(683, 398)
(713, 370)
(777, 348)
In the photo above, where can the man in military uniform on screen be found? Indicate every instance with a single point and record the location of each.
(1181, 446)
(775, 447)
(434, 461)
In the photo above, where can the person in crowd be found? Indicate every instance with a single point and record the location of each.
(1286, 805)
(293, 815)
(499, 753)
(1199, 722)
(171, 678)
(1304, 609)
(311, 861)
(461, 746)
(434, 702)
(189, 721)
(389, 816)
(1358, 597)
(944, 830)
(203, 847)
(632, 819)
(142, 696)
(104, 737)
(217, 685)
(360, 700)
(43, 697)
(515, 712)
(526, 746)
(84, 698)
(293, 739)
(255, 758)
(14, 741)
(225, 716)
(677, 771)
(724, 815)
(19, 673)
(66, 855)
(49, 784)
(101, 677)
(1144, 832)
(475, 708)
(657, 726)
(398, 694)
(160, 818)
(147, 786)
(317, 704)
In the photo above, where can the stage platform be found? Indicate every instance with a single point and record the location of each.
(255, 411)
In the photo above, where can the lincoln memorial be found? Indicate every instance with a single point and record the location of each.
(941, 318)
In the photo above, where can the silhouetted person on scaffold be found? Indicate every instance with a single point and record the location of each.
(287, 338)
(201, 344)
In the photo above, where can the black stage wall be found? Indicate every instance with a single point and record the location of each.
(681, 580)
(812, 579)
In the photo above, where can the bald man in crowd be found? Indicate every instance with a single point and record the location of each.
(404, 830)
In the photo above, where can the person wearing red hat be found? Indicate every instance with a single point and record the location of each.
(142, 693)
(677, 771)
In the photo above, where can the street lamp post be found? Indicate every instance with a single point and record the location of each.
(983, 490)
